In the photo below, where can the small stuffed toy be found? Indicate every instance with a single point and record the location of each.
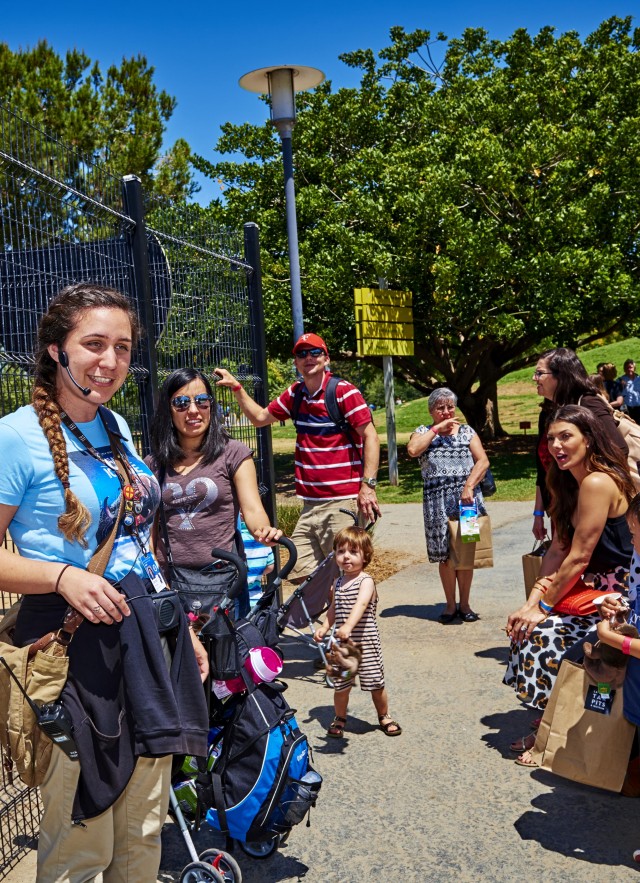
(606, 664)
(343, 660)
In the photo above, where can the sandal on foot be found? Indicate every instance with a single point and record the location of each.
(390, 723)
(526, 760)
(525, 743)
(336, 729)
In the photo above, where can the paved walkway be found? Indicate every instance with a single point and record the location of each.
(444, 802)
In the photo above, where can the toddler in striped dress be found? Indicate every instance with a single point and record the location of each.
(353, 613)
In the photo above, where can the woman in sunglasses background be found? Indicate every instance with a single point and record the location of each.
(205, 475)
(561, 379)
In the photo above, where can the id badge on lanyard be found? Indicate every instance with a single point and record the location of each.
(153, 572)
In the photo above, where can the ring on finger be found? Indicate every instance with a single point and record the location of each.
(97, 610)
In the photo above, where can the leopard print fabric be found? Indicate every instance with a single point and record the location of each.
(533, 666)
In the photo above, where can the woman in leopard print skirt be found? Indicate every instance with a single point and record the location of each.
(590, 489)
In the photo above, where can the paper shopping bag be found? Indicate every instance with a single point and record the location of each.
(584, 736)
(531, 564)
(470, 556)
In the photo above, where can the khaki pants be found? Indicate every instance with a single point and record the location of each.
(123, 843)
(315, 531)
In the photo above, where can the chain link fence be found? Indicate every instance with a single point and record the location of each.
(64, 218)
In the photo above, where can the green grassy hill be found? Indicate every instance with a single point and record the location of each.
(617, 353)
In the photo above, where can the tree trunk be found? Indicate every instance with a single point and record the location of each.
(481, 410)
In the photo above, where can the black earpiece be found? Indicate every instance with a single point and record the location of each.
(63, 358)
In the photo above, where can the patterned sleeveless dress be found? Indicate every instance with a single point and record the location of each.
(371, 672)
(445, 466)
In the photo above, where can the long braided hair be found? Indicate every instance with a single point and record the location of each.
(65, 311)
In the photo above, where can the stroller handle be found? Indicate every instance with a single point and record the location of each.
(241, 575)
(354, 515)
(293, 557)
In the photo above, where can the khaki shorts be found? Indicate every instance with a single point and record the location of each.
(315, 531)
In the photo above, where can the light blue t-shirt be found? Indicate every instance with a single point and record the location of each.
(258, 558)
(28, 481)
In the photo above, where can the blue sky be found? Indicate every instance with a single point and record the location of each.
(200, 50)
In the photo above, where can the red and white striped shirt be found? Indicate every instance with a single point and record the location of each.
(327, 465)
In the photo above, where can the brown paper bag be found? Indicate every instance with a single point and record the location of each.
(531, 564)
(470, 556)
(579, 744)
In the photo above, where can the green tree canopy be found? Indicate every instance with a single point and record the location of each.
(501, 185)
(119, 117)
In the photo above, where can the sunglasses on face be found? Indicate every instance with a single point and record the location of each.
(316, 351)
(202, 402)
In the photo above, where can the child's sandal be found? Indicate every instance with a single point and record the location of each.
(336, 729)
(386, 728)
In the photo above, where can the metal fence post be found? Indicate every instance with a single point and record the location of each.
(134, 208)
(261, 392)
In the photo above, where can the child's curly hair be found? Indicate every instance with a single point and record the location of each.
(355, 538)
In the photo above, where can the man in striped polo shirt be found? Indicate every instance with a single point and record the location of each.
(333, 469)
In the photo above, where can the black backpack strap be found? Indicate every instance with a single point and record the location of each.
(218, 801)
(295, 405)
(331, 404)
(333, 410)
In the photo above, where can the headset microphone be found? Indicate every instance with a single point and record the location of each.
(63, 358)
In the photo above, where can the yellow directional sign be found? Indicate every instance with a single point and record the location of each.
(384, 322)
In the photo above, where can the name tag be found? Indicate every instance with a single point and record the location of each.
(153, 572)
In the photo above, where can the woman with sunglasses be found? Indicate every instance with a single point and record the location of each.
(561, 379)
(206, 477)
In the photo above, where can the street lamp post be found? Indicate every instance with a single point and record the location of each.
(281, 83)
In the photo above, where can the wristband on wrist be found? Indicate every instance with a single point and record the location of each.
(626, 646)
(57, 585)
(433, 430)
(538, 513)
(236, 387)
(546, 608)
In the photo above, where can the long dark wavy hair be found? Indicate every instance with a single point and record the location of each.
(165, 446)
(601, 456)
(64, 312)
(572, 377)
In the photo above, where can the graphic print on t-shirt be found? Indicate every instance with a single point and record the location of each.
(106, 484)
(198, 494)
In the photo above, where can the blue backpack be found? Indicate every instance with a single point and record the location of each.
(262, 783)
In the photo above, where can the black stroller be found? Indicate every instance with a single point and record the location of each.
(257, 782)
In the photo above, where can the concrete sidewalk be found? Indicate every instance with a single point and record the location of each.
(443, 802)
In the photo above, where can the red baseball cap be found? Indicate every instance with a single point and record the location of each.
(309, 341)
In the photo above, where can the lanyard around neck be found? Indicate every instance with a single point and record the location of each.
(122, 470)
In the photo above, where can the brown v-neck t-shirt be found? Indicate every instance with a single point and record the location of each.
(201, 507)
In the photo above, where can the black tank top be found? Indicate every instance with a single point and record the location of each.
(614, 548)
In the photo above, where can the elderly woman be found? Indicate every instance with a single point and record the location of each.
(453, 464)
(590, 488)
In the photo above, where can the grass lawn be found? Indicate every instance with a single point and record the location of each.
(512, 463)
(512, 458)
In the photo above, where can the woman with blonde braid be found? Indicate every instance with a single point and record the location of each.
(60, 495)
